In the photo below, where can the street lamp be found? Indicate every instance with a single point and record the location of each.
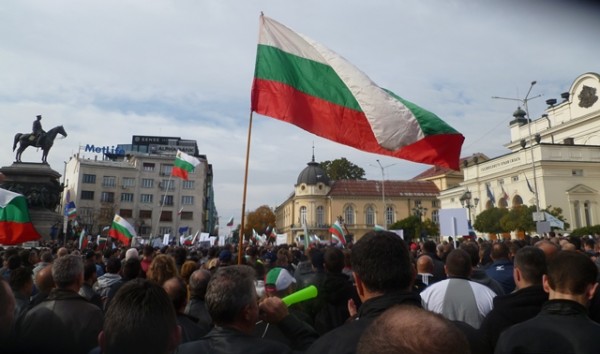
(465, 201)
(383, 189)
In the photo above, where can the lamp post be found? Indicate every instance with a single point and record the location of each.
(383, 189)
(465, 201)
(419, 211)
(525, 101)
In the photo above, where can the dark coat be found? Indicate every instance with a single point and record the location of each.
(502, 271)
(344, 339)
(197, 309)
(190, 330)
(63, 323)
(330, 308)
(511, 309)
(562, 326)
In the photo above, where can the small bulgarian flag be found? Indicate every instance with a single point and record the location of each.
(15, 224)
(121, 230)
(337, 232)
(301, 82)
(184, 163)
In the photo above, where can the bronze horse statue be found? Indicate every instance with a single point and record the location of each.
(46, 142)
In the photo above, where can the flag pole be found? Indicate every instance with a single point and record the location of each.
(241, 234)
(162, 204)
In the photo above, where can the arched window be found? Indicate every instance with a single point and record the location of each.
(370, 216)
(389, 215)
(320, 216)
(502, 203)
(435, 216)
(349, 215)
(517, 200)
(302, 215)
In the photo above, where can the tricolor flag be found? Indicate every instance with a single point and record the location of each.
(15, 224)
(83, 240)
(490, 194)
(121, 230)
(337, 232)
(299, 81)
(70, 209)
(378, 228)
(230, 222)
(184, 163)
(504, 194)
(529, 185)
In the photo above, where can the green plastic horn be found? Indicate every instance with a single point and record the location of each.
(307, 293)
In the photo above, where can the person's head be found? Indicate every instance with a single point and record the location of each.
(549, 248)
(46, 256)
(473, 250)
(162, 268)
(63, 251)
(177, 291)
(429, 247)
(7, 311)
(38, 117)
(381, 263)
(132, 268)
(317, 259)
(89, 273)
(571, 275)
(44, 281)
(21, 281)
(67, 272)
(529, 266)
(334, 260)
(499, 251)
(279, 282)
(409, 329)
(187, 269)
(113, 265)
(225, 257)
(231, 297)
(458, 264)
(198, 283)
(140, 309)
(131, 253)
(424, 265)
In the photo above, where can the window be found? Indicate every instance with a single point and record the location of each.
(302, 215)
(148, 167)
(320, 216)
(86, 215)
(187, 184)
(349, 215)
(106, 213)
(109, 181)
(146, 198)
(166, 200)
(187, 215)
(107, 197)
(165, 170)
(435, 203)
(370, 216)
(87, 195)
(164, 230)
(145, 214)
(128, 182)
(147, 183)
(187, 200)
(167, 184)
(515, 178)
(577, 173)
(126, 213)
(89, 179)
(166, 215)
(435, 216)
(389, 215)
(127, 197)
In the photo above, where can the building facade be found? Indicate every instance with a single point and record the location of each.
(318, 202)
(135, 182)
(554, 161)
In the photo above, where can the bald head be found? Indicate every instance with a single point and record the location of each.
(177, 291)
(407, 329)
(550, 248)
(62, 252)
(44, 281)
(198, 283)
(424, 265)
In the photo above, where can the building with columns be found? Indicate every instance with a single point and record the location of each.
(553, 161)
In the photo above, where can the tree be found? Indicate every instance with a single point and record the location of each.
(519, 218)
(489, 221)
(339, 169)
(259, 220)
(557, 213)
(413, 227)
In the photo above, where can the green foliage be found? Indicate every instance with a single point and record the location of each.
(413, 227)
(519, 218)
(557, 212)
(587, 230)
(489, 221)
(339, 169)
(258, 220)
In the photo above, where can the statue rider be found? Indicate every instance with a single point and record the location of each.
(38, 132)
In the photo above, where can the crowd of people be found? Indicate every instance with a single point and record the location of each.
(378, 295)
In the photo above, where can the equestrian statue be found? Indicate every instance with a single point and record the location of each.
(38, 138)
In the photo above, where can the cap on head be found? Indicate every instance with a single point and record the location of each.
(278, 279)
(39, 116)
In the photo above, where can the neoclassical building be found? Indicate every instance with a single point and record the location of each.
(362, 204)
(553, 160)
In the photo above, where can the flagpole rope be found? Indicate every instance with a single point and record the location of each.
(241, 234)
(162, 204)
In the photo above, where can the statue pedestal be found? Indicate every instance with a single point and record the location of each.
(40, 185)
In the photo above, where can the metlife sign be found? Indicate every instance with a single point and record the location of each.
(114, 150)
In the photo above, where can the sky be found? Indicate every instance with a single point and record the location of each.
(107, 70)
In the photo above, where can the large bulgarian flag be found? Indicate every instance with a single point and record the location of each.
(337, 232)
(15, 224)
(184, 163)
(299, 81)
(121, 230)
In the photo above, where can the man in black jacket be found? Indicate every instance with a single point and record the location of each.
(563, 325)
(233, 305)
(383, 274)
(523, 304)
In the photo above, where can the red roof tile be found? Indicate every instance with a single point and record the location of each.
(361, 188)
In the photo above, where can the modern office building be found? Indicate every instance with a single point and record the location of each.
(134, 180)
(554, 161)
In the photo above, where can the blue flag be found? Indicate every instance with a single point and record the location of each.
(529, 185)
(490, 194)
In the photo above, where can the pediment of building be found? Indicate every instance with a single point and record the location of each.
(581, 189)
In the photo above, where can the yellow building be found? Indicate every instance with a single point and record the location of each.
(317, 202)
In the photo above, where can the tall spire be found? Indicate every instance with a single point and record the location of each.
(313, 152)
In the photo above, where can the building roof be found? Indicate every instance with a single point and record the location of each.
(313, 174)
(440, 171)
(362, 188)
